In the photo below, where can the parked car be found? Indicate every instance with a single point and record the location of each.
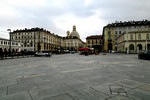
(66, 51)
(144, 55)
(43, 53)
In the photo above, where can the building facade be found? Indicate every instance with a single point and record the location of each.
(5, 45)
(94, 41)
(112, 31)
(35, 39)
(72, 41)
(135, 41)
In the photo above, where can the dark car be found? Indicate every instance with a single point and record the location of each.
(144, 55)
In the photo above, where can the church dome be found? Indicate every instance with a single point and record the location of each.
(74, 33)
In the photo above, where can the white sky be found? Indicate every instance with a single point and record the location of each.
(59, 16)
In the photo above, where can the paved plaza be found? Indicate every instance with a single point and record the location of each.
(75, 77)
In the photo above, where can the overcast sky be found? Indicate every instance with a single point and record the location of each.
(59, 16)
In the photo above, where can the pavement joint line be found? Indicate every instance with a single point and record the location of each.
(30, 95)
(7, 91)
(35, 84)
(69, 96)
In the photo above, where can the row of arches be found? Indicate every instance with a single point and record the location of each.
(139, 46)
(132, 48)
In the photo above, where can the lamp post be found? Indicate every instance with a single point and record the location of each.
(146, 44)
(9, 39)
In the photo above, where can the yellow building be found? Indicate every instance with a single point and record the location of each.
(112, 31)
(135, 41)
(94, 41)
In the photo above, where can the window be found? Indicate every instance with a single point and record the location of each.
(96, 41)
(88, 42)
(115, 32)
(139, 36)
(100, 42)
(92, 42)
(119, 32)
(109, 32)
(131, 36)
(147, 36)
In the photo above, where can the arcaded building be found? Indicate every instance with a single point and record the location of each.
(112, 31)
(5, 45)
(135, 41)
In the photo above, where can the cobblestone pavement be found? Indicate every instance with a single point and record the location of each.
(75, 77)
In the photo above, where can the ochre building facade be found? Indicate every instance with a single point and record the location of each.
(112, 31)
(135, 41)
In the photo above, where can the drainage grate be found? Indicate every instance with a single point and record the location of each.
(117, 89)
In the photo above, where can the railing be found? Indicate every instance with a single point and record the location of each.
(8, 55)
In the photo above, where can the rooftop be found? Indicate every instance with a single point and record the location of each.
(94, 37)
(128, 23)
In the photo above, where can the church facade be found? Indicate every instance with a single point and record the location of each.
(72, 40)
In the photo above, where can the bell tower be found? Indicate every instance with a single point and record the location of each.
(68, 33)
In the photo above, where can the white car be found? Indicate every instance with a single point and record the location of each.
(43, 53)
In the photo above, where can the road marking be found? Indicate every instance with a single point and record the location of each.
(75, 70)
(33, 66)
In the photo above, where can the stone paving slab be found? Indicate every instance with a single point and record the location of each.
(18, 96)
(145, 87)
(44, 93)
(140, 94)
(129, 83)
(8, 82)
(83, 77)
(53, 77)
(78, 85)
(3, 91)
(124, 97)
(105, 88)
(99, 80)
(88, 94)
(60, 97)
(29, 80)
(48, 83)
(20, 88)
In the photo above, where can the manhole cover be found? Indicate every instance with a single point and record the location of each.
(115, 89)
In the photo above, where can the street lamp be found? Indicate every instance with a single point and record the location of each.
(9, 39)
